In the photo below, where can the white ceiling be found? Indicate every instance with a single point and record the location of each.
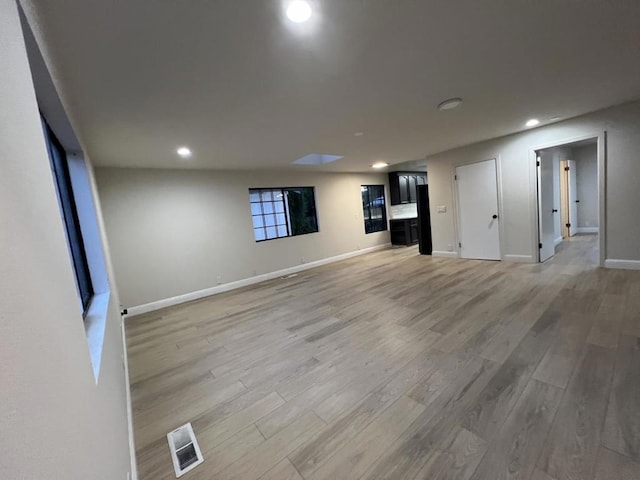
(245, 88)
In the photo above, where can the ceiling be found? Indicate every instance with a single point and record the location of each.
(245, 88)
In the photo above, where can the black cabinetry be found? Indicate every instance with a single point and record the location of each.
(403, 185)
(404, 231)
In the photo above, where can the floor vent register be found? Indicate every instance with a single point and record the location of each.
(185, 451)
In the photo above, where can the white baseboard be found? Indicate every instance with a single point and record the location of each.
(188, 297)
(442, 253)
(588, 230)
(132, 445)
(557, 241)
(519, 258)
(623, 264)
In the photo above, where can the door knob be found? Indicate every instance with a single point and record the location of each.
(495, 216)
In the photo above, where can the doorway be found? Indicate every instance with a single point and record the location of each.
(478, 220)
(569, 200)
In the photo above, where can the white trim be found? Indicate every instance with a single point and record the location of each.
(623, 264)
(95, 323)
(519, 258)
(132, 445)
(587, 230)
(188, 297)
(501, 234)
(443, 254)
(558, 241)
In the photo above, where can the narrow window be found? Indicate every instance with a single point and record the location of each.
(69, 212)
(374, 208)
(282, 212)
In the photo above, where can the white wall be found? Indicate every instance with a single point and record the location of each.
(586, 158)
(173, 232)
(622, 124)
(56, 422)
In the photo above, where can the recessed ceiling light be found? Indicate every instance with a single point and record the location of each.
(299, 11)
(380, 165)
(184, 152)
(532, 122)
(450, 104)
(358, 134)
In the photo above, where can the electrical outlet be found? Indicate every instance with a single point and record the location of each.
(303, 260)
(449, 248)
(442, 209)
(219, 279)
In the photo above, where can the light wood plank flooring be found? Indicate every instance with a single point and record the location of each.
(399, 366)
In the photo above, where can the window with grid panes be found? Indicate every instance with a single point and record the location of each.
(282, 212)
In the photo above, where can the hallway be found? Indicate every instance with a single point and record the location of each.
(581, 249)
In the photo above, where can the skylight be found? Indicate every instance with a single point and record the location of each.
(317, 159)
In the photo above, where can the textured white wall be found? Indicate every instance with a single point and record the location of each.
(56, 423)
(174, 232)
(587, 181)
(622, 124)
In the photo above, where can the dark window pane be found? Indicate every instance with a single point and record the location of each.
(302, 210)
(374, 209)
(60, 167)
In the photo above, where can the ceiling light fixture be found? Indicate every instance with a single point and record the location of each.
(184, 152)
(299, 11)
(358, 134)
(532, 122)
(380, 165)
(450, 104)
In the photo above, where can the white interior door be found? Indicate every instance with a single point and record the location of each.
(546, 209)
(478, 210)
(573, 197)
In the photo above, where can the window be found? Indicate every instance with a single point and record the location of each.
(374, 208)
(60, 167)
(282, 212)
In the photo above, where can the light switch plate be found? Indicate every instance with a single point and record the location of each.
(442, 209)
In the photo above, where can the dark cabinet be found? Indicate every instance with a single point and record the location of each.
(403, 190)
(404, 231)
(403, 186)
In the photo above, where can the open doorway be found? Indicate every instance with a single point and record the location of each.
(569, 188)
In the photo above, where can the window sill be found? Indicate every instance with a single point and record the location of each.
(95, 323)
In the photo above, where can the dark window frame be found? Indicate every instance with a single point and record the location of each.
(371, 224)
(311, 226)
(69, 212)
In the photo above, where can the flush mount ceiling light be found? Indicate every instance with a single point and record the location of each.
(358, 134)
(184, 152)
(532, 122)
(450, 104)
(299, 11)
(380, 165)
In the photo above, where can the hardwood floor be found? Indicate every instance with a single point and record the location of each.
(400, 366)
